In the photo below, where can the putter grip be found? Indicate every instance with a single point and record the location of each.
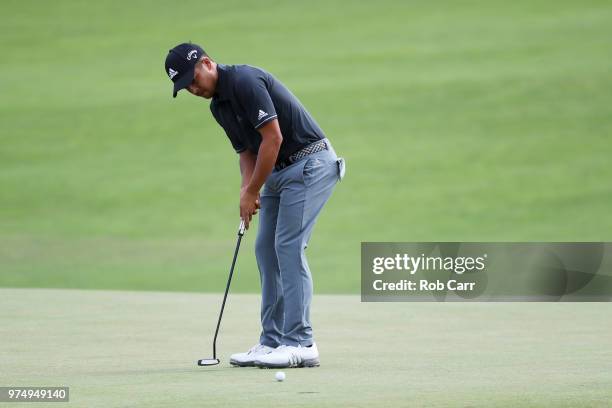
(241, 228)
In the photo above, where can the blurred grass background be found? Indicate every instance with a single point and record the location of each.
(476, 120)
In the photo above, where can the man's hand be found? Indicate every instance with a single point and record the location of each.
(249, 204)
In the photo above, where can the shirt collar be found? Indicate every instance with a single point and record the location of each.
(222, 92)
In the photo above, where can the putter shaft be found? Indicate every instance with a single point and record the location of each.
(229, 281)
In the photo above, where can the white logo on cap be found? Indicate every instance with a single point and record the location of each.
(172, 73)
(192, 54)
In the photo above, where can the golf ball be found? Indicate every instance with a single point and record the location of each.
(280, 376)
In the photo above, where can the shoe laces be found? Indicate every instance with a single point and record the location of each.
(292, 350)
(256, 348)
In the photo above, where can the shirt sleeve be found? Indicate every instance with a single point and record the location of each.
(252, 93)
(232, 136)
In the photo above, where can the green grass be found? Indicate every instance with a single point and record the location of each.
(136, 349)
(474, 121)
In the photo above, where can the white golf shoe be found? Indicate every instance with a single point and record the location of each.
(289, 356)
(248, 359)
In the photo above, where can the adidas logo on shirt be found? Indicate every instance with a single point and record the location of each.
(261, 115)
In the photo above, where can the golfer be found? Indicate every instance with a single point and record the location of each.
(283, 150)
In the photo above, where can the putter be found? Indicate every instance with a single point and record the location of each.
(214, 360)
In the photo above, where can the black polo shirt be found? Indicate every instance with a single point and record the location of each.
(247, 97)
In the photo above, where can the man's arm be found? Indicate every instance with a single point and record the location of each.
(271, 139)
(247, 166)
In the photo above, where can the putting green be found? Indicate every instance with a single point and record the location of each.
(138, 349)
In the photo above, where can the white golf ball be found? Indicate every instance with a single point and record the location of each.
(280, 376)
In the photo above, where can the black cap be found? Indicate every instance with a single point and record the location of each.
(180, 64)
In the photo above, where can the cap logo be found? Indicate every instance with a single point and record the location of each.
(192, 54)
(172, 73)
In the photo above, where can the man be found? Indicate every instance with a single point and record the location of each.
(281, 145)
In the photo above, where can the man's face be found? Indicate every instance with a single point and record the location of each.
(205, 79)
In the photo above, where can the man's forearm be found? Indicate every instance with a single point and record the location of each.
(247, 167)
(266, 158)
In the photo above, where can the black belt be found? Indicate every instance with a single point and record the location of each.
(312, 148)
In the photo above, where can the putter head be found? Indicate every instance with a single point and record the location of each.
(208, 362)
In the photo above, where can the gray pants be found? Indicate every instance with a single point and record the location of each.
(291, 200)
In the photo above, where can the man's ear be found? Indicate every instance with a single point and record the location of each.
(207, 62)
